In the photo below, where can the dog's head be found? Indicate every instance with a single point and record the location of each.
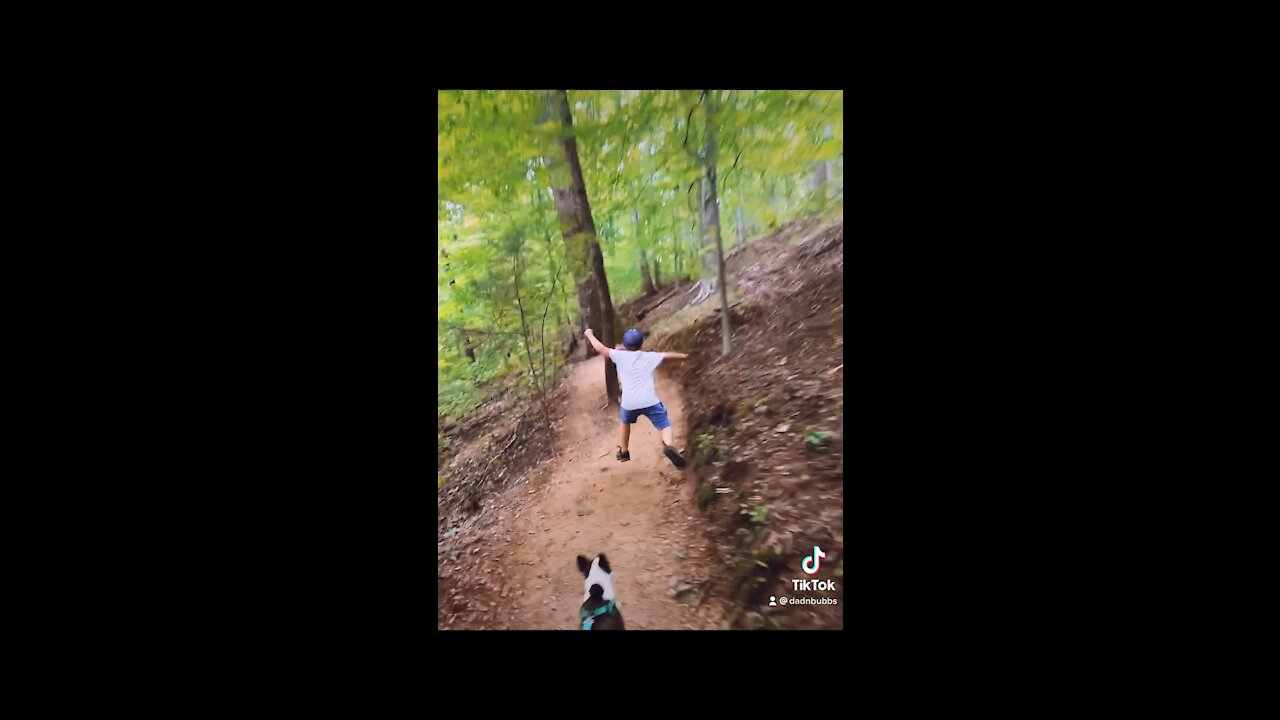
(599, 580)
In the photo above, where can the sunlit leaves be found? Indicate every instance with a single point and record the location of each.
(493, 195)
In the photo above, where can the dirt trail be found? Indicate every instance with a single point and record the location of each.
(641, 514)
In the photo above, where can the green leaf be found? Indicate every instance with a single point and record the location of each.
(816, 438)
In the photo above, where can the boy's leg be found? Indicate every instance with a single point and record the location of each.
(658, 416)
(625, 419)
(671, 451)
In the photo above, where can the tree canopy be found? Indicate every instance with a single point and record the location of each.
(506, 299)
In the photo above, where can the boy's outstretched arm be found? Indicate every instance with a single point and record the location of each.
(674, 356)
(600, 348)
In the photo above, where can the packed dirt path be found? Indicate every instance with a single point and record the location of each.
(641, 514)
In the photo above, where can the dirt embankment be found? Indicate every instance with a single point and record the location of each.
(766, 423)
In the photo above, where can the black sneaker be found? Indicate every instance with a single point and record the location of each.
(673, 455)
(622, 455)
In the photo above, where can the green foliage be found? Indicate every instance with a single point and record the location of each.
(704, 443)
(816, 438)
(758, 514)
(499, 237)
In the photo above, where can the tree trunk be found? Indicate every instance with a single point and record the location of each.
(713, 218)
(657, 280)
(706, 284)
(649, 289)
(586, 302)
(704, 223)
(571, 345)
(742, 232)
(554, 269)
(576, 257)
(645, 277)
(579, 229)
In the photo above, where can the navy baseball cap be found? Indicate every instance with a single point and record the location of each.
(632, 339)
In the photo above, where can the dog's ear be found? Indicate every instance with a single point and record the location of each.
(604, 564)
(584, 566)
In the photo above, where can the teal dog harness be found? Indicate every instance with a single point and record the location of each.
(589, 618)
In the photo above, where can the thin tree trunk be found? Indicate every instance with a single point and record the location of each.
(706, 285)
(649, 289)
(657, 280)
(546, 307)
(646, 278)
(704, 236)
(713, 218)
(528, 352)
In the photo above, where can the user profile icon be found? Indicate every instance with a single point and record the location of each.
(773, 601)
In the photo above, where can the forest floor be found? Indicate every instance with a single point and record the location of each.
(700, 548)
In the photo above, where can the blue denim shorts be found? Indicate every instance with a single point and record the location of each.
(657, 415)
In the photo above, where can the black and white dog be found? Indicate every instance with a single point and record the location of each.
(599, 605)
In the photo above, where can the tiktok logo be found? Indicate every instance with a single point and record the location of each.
(815, 558)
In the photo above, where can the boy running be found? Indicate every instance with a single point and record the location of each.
(635, 373)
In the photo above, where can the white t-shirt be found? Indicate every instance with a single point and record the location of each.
(635, 372)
